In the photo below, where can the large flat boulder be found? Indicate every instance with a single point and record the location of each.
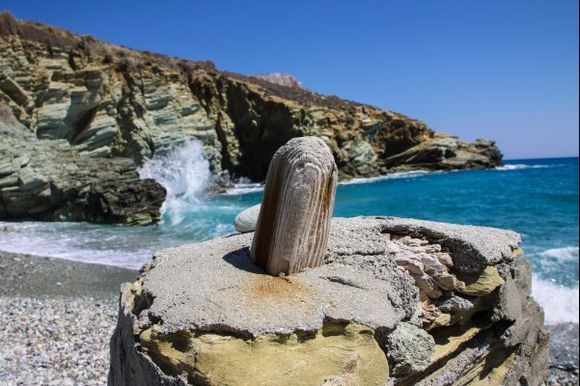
(397, 302)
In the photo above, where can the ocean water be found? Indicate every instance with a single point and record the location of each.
(537, 198)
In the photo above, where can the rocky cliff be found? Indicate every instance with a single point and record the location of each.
(107, 106)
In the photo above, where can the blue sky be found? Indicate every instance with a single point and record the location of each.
(501, 69)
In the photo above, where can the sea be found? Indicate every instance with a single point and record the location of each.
(536, 197)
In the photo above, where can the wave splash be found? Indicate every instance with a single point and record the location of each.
(562, 254)
(560, 303)
(184, 173)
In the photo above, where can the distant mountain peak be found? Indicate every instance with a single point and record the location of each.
(281, 79)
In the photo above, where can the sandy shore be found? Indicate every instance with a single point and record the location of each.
(58, 316)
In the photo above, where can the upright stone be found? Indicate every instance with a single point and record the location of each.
(294, 221)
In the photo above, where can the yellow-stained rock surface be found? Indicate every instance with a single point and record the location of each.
(482, 284)
(446, 346)
(488, 373)
(337, 353)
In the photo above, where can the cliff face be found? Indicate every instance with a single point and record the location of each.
(107, 104)
(45, 179)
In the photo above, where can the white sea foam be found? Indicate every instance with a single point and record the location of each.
(224, 229)
(247, 187)
(244, 188)
(81, 242)
(562, 254)
(560, 303)
(184, 173)
(389, 176)
(509, 167)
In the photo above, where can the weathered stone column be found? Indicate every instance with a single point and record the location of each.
(294, 221)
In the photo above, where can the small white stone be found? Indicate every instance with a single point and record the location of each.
(246, 220)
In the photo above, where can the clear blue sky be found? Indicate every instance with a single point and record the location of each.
(502, 69)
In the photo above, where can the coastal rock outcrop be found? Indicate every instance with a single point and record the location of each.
(205, 314)
(50, 181)
(447, 153)
(108, 103)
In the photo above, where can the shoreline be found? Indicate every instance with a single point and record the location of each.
(37, 276)
(66, 311)
(509, 165)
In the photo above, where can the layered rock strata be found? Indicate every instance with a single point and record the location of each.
(50, 181)
(105, 102)
(205, 314)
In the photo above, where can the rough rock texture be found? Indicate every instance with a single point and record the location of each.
(105, 102)
(51, 181)
(294, 221)
(447, 152)
(410, 349)
(205, 314)
(280, 79)
(318, 359)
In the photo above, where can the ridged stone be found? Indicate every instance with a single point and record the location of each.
(294, 222)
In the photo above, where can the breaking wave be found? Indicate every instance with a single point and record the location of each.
(185, 174)
(560, 303)
(562, 254)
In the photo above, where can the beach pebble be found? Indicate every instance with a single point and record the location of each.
(54, 341)
(246, 220)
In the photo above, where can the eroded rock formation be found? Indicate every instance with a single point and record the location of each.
(205, 314)
(104, 102)
(294, 221)
(48, 180)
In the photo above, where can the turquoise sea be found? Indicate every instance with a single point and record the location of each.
(536, 197)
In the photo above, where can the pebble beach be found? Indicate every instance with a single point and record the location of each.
(55, 341)
(57, 317)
